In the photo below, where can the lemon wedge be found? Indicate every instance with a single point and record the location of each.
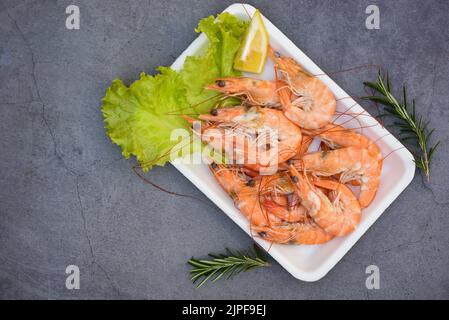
(253, 51)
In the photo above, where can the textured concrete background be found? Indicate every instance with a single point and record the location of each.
(68, 197)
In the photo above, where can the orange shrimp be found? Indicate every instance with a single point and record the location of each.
(296, 214)
(336, 136)
(255, 91)
(305, 99)
(309, 231)
(352, 163)
(348, 212)
(338, 212)
(244, 193)
(259, 137)
(294, 233)
(279, 198)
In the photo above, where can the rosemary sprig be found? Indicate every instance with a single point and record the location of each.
(412, 127)
(228, 265)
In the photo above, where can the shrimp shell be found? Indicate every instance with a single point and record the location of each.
(352, 163)
(261, 137)
(305, 99)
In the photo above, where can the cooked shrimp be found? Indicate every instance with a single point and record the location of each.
(336, 136)
(255, 91)
(308, 232)
(352, 163)
(244, 193)
(305, 99)
(347, 214)
(259, 137)
(294, 233)
(279, 198)
(296, 214)
(338, 212)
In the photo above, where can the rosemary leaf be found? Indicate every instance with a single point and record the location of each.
(226, 265)
(413, 128)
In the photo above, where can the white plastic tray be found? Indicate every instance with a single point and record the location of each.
(310, 263)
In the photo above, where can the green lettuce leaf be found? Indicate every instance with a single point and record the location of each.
(224, 34)
(140, 118)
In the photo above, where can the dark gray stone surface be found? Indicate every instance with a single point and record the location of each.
(68, 197)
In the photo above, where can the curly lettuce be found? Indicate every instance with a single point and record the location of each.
(140, 118)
